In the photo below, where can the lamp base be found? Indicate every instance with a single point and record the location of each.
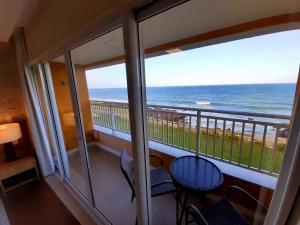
(10, 153)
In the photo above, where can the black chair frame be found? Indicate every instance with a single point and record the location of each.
(193, 211)
(154, 183)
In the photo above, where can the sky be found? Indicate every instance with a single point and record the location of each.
(273, 58)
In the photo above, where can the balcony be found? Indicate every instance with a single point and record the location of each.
(111, 191)
(254, 141)
(248, 148)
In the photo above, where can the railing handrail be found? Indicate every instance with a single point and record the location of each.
(243, 135)
(229, 112)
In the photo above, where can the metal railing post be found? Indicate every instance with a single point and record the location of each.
(112, 118)
(198, 133)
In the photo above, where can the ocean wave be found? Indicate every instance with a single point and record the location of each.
(203, 103)
(250, 106)
(110, 100)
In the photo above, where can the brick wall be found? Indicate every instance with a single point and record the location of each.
(11, 100)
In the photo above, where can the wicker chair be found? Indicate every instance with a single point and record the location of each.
(161, 182)
(223, 212)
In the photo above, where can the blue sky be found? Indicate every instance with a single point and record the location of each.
(273, 58)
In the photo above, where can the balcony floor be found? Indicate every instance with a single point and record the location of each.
(112, 193)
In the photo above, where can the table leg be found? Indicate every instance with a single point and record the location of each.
(180, 205)
(177, 207)
(183, 206)
(179, 192)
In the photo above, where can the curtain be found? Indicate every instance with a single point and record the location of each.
(37, 127)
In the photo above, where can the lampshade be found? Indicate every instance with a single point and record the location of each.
(10, 132)
(68, 119)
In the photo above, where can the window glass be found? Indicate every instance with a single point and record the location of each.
(74, 153)
(101, 82)
(223, 90)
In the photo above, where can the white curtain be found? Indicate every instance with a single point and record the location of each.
(37, 127)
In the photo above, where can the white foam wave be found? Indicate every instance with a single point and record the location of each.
(203, 103)
(110, 100)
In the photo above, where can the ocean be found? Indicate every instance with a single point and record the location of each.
(257, 98)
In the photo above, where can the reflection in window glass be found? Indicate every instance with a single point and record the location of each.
(102, 89)
(61, 85)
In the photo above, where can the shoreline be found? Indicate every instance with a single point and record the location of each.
(269, 140)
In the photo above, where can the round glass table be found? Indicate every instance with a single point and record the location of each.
(194, 173)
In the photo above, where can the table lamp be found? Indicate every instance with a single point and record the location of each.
(9, 133)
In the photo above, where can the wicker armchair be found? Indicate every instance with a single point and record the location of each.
(161, 182)
(223, 212)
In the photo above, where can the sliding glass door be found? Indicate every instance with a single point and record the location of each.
(72, 150)
(87, 90)
(210, 95)
(102, 90)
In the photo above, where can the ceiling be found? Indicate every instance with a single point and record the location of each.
(104, 47)
(13, 14)
(202, 16)
(189, 19)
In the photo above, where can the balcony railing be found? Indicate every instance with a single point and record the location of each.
(251, 140)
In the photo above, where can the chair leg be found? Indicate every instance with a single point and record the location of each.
(186, 218)
(132, 196)
(37, 173)
(2, 188)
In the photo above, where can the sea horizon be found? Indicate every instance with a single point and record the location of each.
(273, 98)
(199, 85)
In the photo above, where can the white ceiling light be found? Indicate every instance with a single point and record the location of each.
(173, 50)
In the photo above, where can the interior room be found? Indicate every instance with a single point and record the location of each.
(149, 112)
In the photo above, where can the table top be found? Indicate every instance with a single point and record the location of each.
(196, 173)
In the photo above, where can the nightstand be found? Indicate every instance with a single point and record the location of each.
(10, 169)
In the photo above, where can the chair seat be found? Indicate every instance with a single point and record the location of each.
(159, 175)
(223, 213)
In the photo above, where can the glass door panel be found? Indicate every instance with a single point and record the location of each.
(100, 76)
(72, 153)
(226, 97)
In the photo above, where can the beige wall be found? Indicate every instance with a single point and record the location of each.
(11, 99)
(59, 22)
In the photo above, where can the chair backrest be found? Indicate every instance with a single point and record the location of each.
(127, 168)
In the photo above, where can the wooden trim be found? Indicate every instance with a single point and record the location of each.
(240, 28)
(153, 7)
(120, 58)
(256, 24)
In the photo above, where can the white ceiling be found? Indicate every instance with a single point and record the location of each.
(202, 16)
(14, 13)
(186, 20)
(104, 47)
